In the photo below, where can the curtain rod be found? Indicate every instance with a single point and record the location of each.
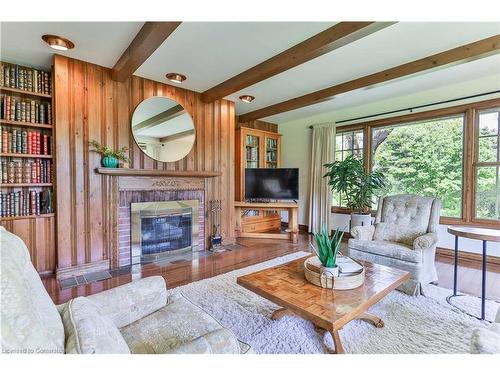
(417, 107)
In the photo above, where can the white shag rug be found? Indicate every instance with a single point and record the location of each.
(412, 324)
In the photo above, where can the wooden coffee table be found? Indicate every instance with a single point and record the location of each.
(328, 309)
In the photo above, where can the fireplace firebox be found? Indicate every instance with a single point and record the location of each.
(159, 229)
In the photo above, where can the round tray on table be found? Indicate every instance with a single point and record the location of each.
(314, 275)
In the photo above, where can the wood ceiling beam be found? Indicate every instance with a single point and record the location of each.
(174, 137)
(466, 53)
(147, 40)
(160, 118)
(326, 41)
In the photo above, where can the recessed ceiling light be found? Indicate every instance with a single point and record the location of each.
(247, 98)
(175, 77)
(58, 43)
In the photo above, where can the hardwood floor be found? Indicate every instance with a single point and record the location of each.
(183, 271)
(469, 277)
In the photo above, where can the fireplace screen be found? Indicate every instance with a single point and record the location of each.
(160, 228)
(164, 233)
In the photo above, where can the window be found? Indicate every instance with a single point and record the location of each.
(423, 158)
(487, 186)
(435, 153)
(347, 143)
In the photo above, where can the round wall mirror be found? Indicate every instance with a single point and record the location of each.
(163, 129)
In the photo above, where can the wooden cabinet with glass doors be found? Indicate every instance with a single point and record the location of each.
(256, 149)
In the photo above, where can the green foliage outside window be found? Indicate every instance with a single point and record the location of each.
(423, 159)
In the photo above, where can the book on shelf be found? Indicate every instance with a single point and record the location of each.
(272, 143)
(252, 153)
(25, 203)
(26, 172)
(32, 142)
(252, 141)
(25, 110)
(27, 79)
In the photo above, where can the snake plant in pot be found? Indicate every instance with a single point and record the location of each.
(357, 187)
(327, 249)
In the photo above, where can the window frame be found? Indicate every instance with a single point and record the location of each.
(470, 112)
(476, 164)
(353, 129)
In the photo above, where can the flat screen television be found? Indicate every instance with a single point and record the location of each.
(272, 183)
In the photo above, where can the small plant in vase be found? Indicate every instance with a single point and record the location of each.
(327, 249)
(110, 158)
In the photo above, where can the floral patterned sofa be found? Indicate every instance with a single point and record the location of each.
(138, 317)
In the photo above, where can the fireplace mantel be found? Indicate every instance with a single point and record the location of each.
(154, 172)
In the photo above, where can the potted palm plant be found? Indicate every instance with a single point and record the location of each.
(349, 178)
(326, 250)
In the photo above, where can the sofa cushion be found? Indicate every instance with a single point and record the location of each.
(30, 321)
(173, 327)
(388, 249)
(220, 341)
(130, 302)
(402, 218)
(90, 332)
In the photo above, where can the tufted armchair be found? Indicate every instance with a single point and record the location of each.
(139, 317)
(404, 236)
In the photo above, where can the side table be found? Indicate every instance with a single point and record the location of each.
(482, 234)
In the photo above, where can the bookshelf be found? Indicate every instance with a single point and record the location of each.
(47, 184)
(25, 124)
(11, 218)
(256, 149)
(26, 161)
(24, 92)
(32, 156)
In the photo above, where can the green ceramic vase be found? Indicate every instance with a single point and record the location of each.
(110, 162)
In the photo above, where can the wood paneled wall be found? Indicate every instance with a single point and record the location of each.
(90, 105)
(259, 125)
(38, 235)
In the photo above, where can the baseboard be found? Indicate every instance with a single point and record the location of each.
(62, 273)
(467, 255)
(302, 227)
(227, 241)
(45, 274)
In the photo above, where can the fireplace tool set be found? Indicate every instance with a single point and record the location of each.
(216, 238)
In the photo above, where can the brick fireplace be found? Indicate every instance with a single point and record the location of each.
(165, 203)
(160, 229)
(174, 191)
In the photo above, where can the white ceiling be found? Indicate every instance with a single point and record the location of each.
(392, 46)
(210, 52)
(101, 43)
(488, 67)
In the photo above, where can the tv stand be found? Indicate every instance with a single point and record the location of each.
(293, 220)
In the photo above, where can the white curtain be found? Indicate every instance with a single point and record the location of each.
(320, 199)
